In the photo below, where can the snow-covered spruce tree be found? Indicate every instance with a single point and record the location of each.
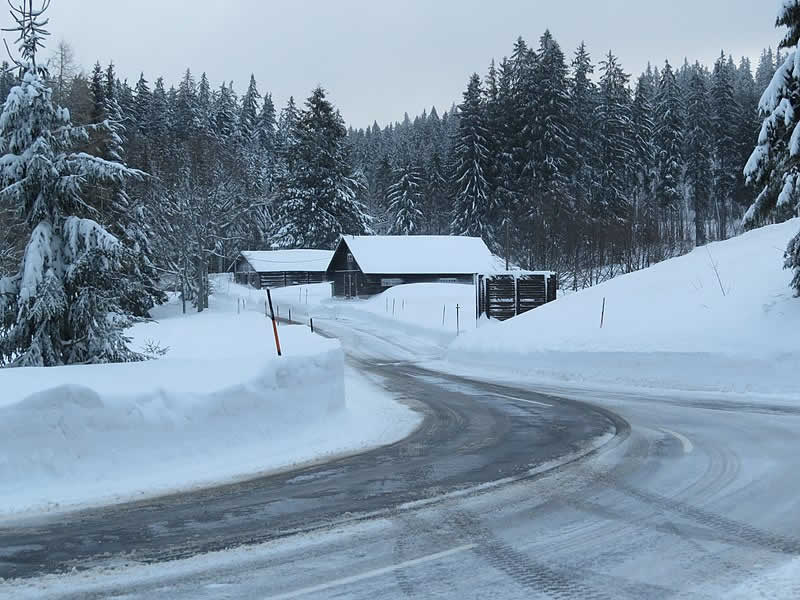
(127, 219)
(669, 141)
(646, 224)
(405, 200)
(698, 152)
(317, 195)
(473, 203)
(774, 165)
(615, 151)
(725, 115)
(61, 306)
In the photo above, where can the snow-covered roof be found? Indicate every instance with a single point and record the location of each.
(271, 261)
(423, 254)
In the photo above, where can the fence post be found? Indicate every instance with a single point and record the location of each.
(444, 307)
(603, 312)
(393, 302)
(311, 322)
(274, 322)
(457, 327)
(290, 314)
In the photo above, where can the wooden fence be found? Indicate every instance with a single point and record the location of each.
(504, 295)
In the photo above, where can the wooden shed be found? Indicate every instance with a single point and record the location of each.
(503, 295)
(279, 268)
(367, 265)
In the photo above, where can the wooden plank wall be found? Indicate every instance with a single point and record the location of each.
(284, 278)
(503, 296)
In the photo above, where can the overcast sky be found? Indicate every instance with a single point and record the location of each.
(378, 59)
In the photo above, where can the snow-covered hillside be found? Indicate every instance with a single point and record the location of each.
(720, 318)
(219, 405)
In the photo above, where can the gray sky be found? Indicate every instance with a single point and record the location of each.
(378, 59)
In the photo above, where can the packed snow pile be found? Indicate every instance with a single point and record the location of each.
(720, 318)
(218, 405)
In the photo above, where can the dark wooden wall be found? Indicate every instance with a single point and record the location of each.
(284, 278)
(503, 296)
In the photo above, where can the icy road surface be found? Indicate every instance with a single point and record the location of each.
(679, 499)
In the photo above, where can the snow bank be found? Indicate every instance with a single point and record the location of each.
(720, 318)
(218, 406)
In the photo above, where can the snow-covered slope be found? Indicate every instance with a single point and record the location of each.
(719, 318)
(219, 405)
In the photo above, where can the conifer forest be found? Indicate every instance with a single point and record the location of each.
(559, 158)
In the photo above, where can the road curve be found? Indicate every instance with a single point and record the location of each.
(473, 433)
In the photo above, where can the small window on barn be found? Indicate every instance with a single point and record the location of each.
(448, 280)
(349, 259)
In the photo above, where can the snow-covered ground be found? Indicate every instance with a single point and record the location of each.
(427, 310)
(218, 406)
(721, 318)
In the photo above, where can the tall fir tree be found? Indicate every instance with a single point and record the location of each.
(725, 115)
(698, 152)
(669, 113)
(473, 203)
(317, 195)
(405, 200)
(61, 306)
(774, 166)
(248, 114)
(614, 148)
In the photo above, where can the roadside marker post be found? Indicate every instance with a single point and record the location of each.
(457, 327)
(274, 322)
(311, 322)
(444, 308)
(603, 312)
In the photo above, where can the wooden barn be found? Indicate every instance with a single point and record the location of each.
(367, 265)
(279, 268)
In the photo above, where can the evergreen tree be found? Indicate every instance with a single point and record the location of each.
(615, 152)
(205, 108)
(142, 100)
(698, 154)
(405, 199)
(159, 118)
(583, 101)
(646, 224)
(774, 166)
(225, 112)
(266, 125)
(61, 306)
(669, 141)
(248, 115)
(317, 194)
(725, 115)
(186, 118)
(437, 194)
(473, 203)
(98, 90)
(549, 147)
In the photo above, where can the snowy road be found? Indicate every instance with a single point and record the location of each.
(685, 500)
